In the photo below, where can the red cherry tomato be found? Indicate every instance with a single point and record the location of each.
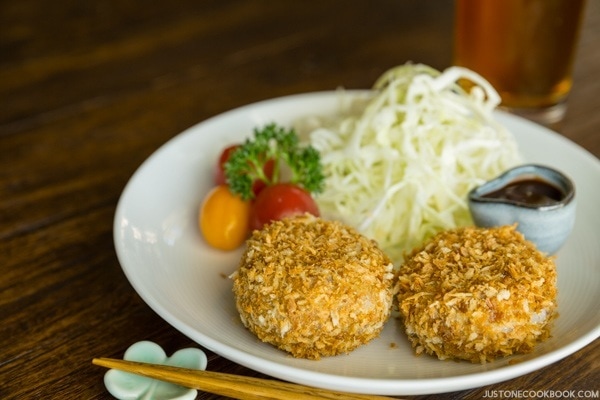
(279, 201)
(220, 178)
(220, 169)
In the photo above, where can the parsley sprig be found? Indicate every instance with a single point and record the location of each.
(246, 164)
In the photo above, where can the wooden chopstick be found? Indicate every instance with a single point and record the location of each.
(235, 386)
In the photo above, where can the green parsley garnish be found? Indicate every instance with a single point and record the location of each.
(246, 164)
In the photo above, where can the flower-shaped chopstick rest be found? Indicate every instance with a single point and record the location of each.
(124, 385)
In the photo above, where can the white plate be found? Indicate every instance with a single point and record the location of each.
(184, 281)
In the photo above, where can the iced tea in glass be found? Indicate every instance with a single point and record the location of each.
(524, 48)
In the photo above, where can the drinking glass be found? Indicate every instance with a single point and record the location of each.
(524, 48)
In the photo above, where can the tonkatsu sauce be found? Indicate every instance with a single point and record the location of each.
(535, 192)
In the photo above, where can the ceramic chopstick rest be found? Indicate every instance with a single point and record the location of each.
(123, 385)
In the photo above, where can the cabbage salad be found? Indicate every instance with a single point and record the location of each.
(399, 165)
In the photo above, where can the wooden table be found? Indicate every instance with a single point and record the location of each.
(88, 90)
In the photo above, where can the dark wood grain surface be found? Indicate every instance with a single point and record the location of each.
(89, 89)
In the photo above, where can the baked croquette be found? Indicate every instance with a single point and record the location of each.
(312, 287)
(477, 294)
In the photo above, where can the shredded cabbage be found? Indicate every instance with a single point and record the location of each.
(399, 169)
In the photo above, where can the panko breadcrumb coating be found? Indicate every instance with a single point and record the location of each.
(312, 287)
(477, 294)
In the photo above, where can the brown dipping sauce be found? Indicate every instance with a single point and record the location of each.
(535, 192)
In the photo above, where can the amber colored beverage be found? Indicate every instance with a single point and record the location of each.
(524, 48)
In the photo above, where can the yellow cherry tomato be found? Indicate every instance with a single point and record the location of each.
(224, 218)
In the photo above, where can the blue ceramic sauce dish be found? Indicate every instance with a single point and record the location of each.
(539, 199)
